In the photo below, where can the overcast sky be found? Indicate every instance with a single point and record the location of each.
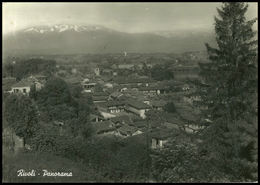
(126, 17)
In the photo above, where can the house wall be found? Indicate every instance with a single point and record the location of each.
(114, 73)
(99, 101)
(158, 143)
(107, 115)
(117, 133)
(147, 102)
(195, 127)
(154, 144)
(125, 66)
(20, 90)
(88, 86)
(116, 109)
(108, 85)
(88, 90)
(152, 92)
(162, 143)
(188, 130)
(157, 108)
(137, 132)
(141, 112)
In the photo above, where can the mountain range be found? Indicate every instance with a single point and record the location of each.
(81, 39)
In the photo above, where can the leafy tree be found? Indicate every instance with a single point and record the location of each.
(8, 69)
(25, 68)
(98, 88)
(124, 72)
(182, 162)
(87, 131)
(81, 123)
(55, 91)
(58, 101)
(170, 107)
(46, 139)
(21, 114)
(61, 112)
(161, 72)
(76, 91)
(230, 93)
(33, 92)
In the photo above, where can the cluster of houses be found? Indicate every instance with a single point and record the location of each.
(122, 104)
(24, 86)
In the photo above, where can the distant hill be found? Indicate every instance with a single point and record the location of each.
(78, 39)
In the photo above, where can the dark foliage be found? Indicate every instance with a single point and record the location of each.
(161, 72)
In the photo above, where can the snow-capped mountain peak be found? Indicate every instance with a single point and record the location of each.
(62, 28)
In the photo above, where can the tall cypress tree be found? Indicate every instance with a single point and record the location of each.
(230, 93)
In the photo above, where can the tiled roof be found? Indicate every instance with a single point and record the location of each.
(115, 103)
(23, 83)
(138, 104)
(126, 119)
(173, 82)
(140, 124)
(188, 116)
(99, 98)
(116, 94)
(122, 98)
(172, 118)
(177, 68)
(154, 87)
(171, 125)
(72, 81)
(133, 80)
(126, 129)
(139, 139)
(100, 93)
(103, 126)
(59, 123)
(40, 76)
(155, 124)
(162, 133)
(107, 70)
(158, 103)
(92, 116)
(8, 82)
(187, 113)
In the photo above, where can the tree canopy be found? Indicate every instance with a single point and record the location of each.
(24, 68)
(161, 72)
(230, 93)
(170, 107)
(21, 114)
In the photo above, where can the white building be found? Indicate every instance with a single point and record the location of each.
(23, 87)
